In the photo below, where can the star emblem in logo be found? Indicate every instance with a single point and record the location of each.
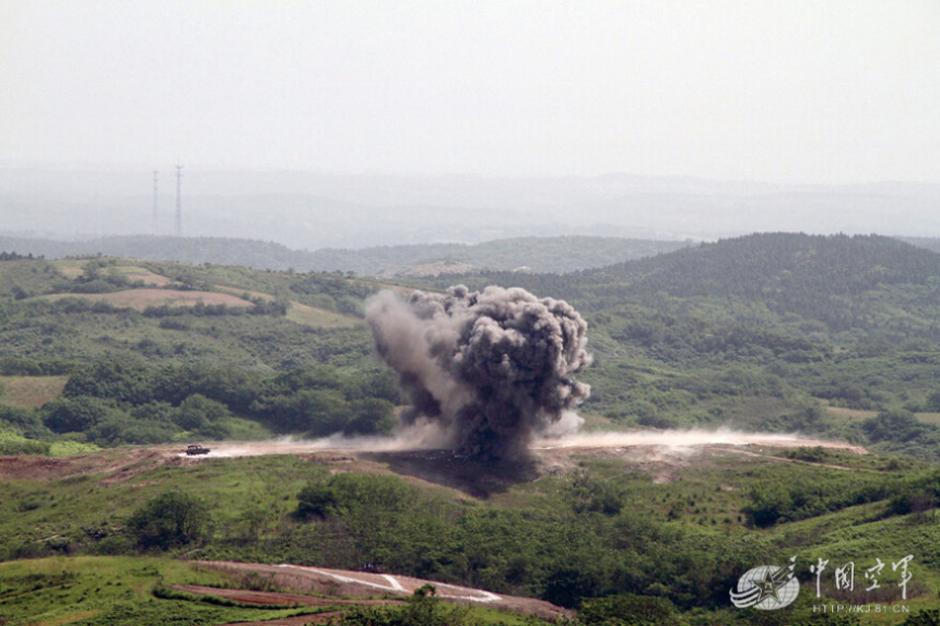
(766, 587)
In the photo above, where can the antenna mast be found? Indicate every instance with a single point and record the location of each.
(179, 206)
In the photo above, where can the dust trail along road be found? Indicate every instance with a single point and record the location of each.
(689, 439)
(669, 439)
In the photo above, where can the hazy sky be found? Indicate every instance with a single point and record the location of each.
(826, 91)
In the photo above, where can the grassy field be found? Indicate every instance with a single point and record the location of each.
(113, 591)
(30, 391)
(850, 414)
(318, 318)
(70, 268)
(929, 418)
(138, 274)
(132, 591)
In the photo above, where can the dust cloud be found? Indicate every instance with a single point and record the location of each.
(491, 368)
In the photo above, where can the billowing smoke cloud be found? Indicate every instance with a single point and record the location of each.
(490, 368)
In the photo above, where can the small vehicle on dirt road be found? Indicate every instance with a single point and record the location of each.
(195, 449)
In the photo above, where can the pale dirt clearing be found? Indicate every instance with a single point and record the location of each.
(314, 317)
(135, 273)
(141, 299)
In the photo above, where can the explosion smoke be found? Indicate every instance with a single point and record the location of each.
(490, 368)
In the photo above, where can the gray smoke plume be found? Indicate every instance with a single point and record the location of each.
(491, 368)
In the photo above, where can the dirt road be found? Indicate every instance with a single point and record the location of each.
(651, 450)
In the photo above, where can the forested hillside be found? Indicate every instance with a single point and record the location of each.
(928, 243)
(786, 332)
(780, 331)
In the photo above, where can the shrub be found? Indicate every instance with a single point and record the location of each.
(894, 425)
(118, 429)
(26, 421)
(933, 402)
(343, 493)
(567, 586)
(78, 414)
(317, 500)
(422, 609)
(913, 501)
(17, 445)
(589, 494)
(197, 411)
(170, 520)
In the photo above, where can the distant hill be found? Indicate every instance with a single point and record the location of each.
(769, 265)
(307, 210)
(844, 281)
(538, 254)
(927, 243)
(191, 250)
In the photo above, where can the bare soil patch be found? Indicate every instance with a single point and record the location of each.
(116, 465)
(140, 299)
(348, 584)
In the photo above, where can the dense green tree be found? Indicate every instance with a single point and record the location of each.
(197, 412)
(629, 610)
(894, 425)
(76, 414)
(170, 520)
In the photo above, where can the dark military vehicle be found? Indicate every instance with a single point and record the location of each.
(195, 449)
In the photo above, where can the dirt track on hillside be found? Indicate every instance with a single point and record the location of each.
(351, 587)
(114, 465)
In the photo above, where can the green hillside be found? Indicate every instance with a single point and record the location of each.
(777, 331)
(103, 360)
(163, 352)
(606, 530)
